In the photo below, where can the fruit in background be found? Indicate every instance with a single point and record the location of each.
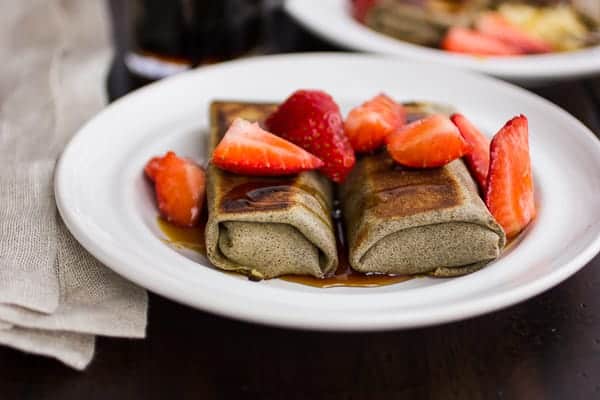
(559, 25)
(360, 8)
(478, 156)
(312, 120)
(152, 167)
(367, 125)
(468, 41)
(180, 186)
(430, 142)
(248, 149)
(510, 192)
(493, 24)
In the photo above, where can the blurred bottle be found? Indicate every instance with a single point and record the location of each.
(171, 36)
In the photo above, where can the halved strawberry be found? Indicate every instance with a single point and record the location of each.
(360, 8)
(478, 157)
(468, 41)
(368, 124)
(509, 195)
(248, 149)
(493, 24)
(312, 120)
(152, 167)
(180, 188)
(430, 142)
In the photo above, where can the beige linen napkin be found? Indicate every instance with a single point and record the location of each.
(54, 296)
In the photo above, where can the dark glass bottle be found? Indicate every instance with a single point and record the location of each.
(170, 36)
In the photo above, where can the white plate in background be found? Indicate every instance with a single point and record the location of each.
(331, 19)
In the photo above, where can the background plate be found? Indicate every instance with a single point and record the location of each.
(331, 20)
(108, 205)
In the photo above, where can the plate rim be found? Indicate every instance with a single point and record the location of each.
(459, 310)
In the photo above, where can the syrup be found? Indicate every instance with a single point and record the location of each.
(186, 238)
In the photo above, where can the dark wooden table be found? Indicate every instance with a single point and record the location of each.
(545, 348)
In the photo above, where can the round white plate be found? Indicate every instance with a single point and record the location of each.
(109, 207)
(332, 20)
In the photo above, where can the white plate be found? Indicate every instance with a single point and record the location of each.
(108, 205)
(331, 19)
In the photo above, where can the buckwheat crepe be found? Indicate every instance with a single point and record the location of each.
(266, 227)
(417, 221)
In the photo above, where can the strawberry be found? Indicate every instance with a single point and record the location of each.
(478, 157)
(368, 124)
(152, 167)
(509, 195)
(468, 41)
(248, 149)
(180, 188)
(493, 24)
(312, 120)
(430, 142)
(360, 8)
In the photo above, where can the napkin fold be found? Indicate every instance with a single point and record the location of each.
(54, 296)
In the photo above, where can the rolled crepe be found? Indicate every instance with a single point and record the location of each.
(417, 221)
(266, 226)
(422, 22)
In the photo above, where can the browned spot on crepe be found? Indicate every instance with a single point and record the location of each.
(408, 191)
(228, 111)
(262, 195)
(247, 194)
(361, 236)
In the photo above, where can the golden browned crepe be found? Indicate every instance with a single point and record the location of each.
(416, 221)
(266, 226)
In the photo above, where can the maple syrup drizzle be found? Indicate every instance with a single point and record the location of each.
(185, 238)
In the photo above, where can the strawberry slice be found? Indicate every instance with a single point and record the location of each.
(493, 24)
(478, 157)
(248, 149)
(368, 124)
(152, 168)
(509, 195)
(468, 41)
(430, 142)
(180, 188)
(360, 8)
(312, 120)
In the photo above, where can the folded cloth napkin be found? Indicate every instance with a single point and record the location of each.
(54, 296)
